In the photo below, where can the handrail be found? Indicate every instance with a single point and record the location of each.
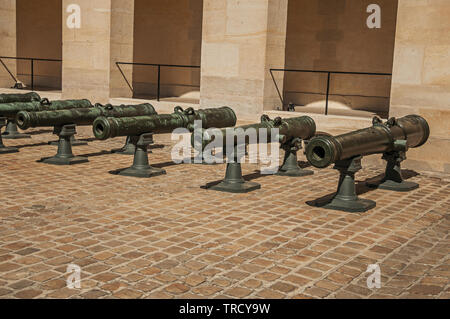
(329, 73)
(16, 85)
(158, 93)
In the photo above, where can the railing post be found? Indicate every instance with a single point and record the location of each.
(278, 90)
(32, 75)
(159, 82)
(328, 92)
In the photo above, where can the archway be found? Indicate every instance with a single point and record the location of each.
(333, 35)
(39, 35)
(169, 34)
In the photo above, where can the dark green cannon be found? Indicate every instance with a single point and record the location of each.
(3, 148)
(141, 129)
(392, 139)
(44, 106)
(9, 111)
(24, 97)
(79, 116)
(11, 131)
(290, 133)
(64, 122)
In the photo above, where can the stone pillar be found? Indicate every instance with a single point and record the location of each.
(242, 40)
(8, 38)
(277, 16)
(122, 29)
(421, 80)
(89, 53)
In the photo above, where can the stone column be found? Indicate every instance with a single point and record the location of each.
(89, 53)
(8, 46)
(277, 16)
(122, 29)
(242, 40)
(421, 77)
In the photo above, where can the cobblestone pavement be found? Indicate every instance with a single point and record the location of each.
(165, 237)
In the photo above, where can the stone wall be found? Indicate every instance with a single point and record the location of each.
(168, 32)
(421, 81)
(87, 53)
(241, 42)
(332, 35)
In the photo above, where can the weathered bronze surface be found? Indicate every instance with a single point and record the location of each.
(82, 116)
(141, 167)
(346, 199)
(10, 110)
(392, 139)
(141, 129)
(234, 182)
(291, 132)
(302, 127)
(105, 128)
(3, 148)
(27, 97)
(64, 156)
(323, 151)
(12, 132)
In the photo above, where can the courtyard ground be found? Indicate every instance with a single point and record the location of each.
(166, 237)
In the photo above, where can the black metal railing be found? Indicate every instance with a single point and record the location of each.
(329, 78)
(158, 66)
(32, 64)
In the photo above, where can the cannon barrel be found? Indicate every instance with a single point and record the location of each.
(82, 116)
(105, 128)
(12, 98)
(10, 110)
(323, 151)
(302, 127)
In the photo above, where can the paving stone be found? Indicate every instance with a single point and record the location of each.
(5, 292)
(28, 294)
(270, 294)
(425, 290)
(21, 284)
(127, 294)
(177, 288)
(283, 287)
(195, 280)
(94, 294)
(27, 251)
(317, 292)
(8, 267)
(238, 292)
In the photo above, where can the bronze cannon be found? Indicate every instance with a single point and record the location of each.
(65, 121)
(392, 139)
(142, 128)
(289, 132)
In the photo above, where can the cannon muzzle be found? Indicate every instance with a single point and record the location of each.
(323, 151)
(22, 118)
